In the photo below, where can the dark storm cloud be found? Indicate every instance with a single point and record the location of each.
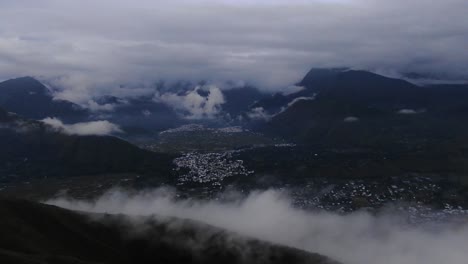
(93, 46)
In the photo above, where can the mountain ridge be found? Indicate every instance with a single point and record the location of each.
(33, 149)
(28, 97)
(38, 233)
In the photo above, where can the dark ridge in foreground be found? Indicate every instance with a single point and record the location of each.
(37, 233)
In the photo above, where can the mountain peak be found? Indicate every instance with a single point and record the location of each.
(24, 85)
(25, 79)
(28, 97)
(319, 74)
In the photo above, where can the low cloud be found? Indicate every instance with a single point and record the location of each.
(95, 107)
(293, 102)
(357, 238)
(99, 128)
(292, 89)
(410, 112)
(203, 102)
(351, 119)
(259, 113)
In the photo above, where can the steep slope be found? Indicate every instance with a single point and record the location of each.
(33, 149)
(36, 233)
(30, 98)
(352, 87)
(363, 109)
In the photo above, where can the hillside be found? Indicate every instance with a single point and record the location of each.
(28, 97)
(33, 149)
(33, 233)
(363, 109)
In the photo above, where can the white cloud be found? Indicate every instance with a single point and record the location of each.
(300, 99)
(88, 128)
(95, 107)
(410, 112)
(292, 89)
(194, 104)
(358, 238)
(351, 119)
(259, 113)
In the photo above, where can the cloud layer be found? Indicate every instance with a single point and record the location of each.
(91, 47)
(199, 103)
(358, 238)
(99, 128)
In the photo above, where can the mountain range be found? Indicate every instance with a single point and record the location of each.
(140, 115)
(338, 110)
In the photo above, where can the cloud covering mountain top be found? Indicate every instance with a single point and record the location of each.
(193, 104)
(89, 47)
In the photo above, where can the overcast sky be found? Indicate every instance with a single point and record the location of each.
(90, 46)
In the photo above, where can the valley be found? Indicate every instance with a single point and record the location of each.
(230, 131)
(308, 147)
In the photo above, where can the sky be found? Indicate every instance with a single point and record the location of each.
(91, 47)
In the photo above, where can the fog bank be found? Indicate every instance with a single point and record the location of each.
(358, 238)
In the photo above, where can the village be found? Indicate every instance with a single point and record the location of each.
(209, 167)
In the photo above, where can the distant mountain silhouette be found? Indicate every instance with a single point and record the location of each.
(319, 75)
(239, 99)
(136, 115)
(359, 108)
(140, 115)
(28, 97)
(33, 149)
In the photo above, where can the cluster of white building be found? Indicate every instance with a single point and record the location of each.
(209, 167)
